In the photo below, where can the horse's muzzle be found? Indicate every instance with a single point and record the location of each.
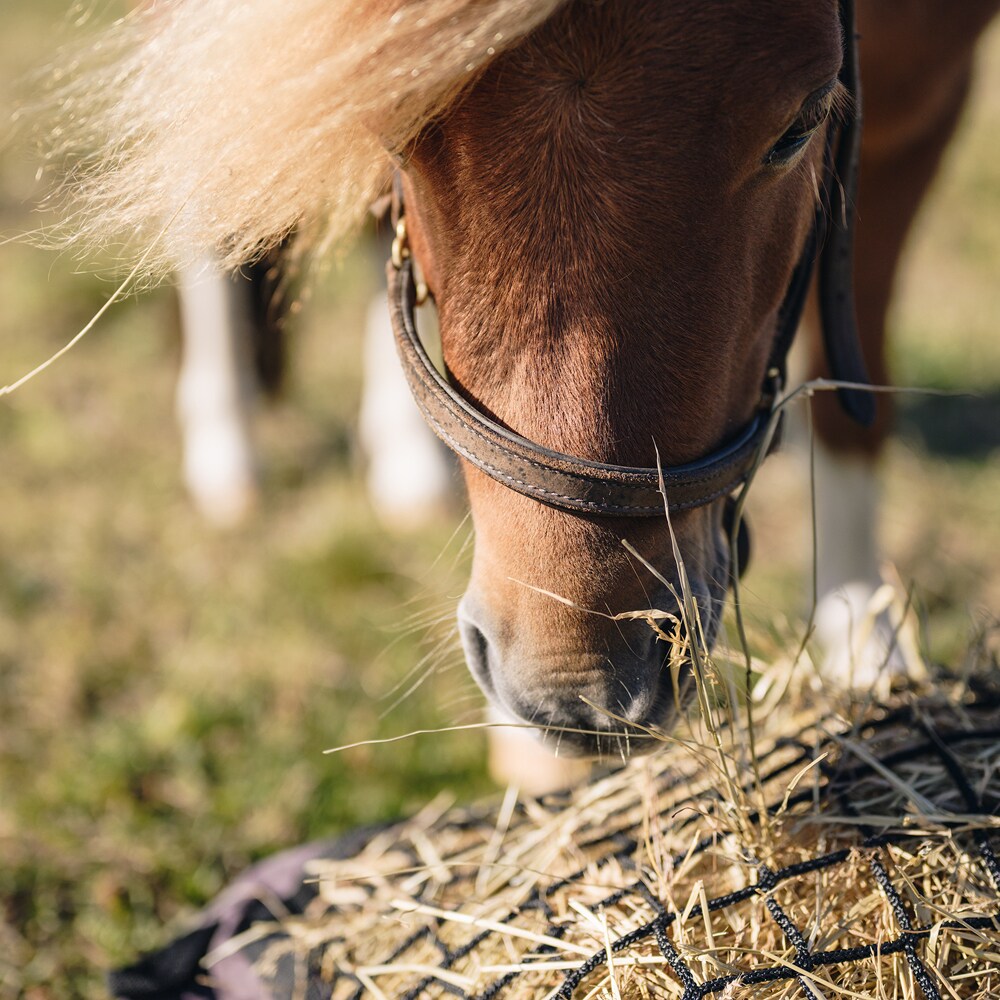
(611, 704)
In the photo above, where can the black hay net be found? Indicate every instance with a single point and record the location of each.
(874, 861)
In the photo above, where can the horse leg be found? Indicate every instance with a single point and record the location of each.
(410, 476)
(215, 393)
(916, 66)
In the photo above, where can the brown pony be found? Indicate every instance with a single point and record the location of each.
(607, 201)
(608, 222)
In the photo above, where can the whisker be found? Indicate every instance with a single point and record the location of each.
(439, 647)
(386, 740)
(461, 549)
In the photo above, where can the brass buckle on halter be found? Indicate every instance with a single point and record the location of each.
(773, 384)
(400, 245)
(401, 252)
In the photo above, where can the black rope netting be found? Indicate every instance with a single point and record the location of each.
(860, 779)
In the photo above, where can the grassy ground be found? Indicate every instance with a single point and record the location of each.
(166, 692)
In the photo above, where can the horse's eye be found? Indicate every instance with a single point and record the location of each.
(785, 149)
(811, 118)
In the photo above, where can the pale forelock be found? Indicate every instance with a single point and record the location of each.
(225, 124)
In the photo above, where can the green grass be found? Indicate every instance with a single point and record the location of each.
(166, 692)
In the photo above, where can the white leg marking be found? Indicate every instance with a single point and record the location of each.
(410, 479)
(215, 395)
(846, 521)
(859, 619)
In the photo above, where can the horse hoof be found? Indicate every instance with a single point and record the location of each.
(865, 637)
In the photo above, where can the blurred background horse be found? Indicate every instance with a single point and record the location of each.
(609, 303)
(234, 344)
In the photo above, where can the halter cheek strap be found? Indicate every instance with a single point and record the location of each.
(836, 265)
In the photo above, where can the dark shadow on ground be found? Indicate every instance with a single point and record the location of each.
(963, 426)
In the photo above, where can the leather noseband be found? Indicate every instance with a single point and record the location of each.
(585, 487)
(552, 477)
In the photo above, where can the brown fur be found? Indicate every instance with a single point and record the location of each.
(608, 251)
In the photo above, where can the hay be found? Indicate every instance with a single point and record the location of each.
(855, 859)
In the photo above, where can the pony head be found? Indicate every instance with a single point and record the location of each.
(608, 201)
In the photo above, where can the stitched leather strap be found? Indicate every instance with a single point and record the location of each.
(836, 266)
(548, 476)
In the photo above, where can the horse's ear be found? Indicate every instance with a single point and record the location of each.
(836, 265)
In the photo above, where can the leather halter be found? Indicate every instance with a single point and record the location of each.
(581, 486)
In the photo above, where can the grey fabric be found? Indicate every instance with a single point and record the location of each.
(177, 971)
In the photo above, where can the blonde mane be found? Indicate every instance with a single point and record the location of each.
(225, 124)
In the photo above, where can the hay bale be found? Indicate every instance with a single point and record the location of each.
(851, 857)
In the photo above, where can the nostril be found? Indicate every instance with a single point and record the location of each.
(642, 692)
(477, 645)
(579, 701)
(476, 648)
